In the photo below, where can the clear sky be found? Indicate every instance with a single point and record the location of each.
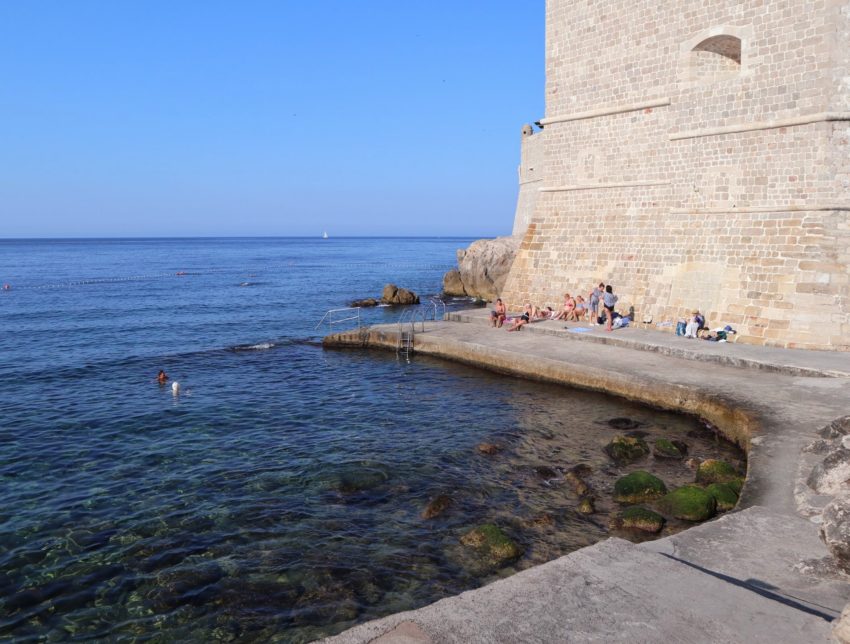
(265, 118)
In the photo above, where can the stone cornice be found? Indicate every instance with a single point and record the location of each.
(605, 111)
(820, 117)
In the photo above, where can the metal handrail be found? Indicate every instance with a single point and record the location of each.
(437, 302)
(329, 316)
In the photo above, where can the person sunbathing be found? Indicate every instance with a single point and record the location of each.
(522, 320)
(566, 308)
(498, 314)
(581, 309)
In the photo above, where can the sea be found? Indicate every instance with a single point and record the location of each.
(280, 495)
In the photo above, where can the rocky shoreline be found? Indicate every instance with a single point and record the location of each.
(482, 268)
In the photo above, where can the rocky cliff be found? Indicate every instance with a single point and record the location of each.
(482, 268)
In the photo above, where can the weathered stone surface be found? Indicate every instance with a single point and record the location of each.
(638, 487)
(690, 503)
(392, 294)
(437, 506)
(492, 544)
(453, 284)
(835, 531)
(626, 449)
(639, 518)
(484, 266)
(715, 471)
(838, 428)
(841, 627)
(831, 475)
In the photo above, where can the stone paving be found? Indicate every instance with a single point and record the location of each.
(758, 574)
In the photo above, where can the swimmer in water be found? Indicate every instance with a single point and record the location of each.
(162, 378)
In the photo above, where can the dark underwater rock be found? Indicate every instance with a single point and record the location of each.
(626, 449)
(437, 506)
(623, 423)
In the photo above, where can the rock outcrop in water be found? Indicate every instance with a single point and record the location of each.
(492, 544)
(393, 294)
(482, 268)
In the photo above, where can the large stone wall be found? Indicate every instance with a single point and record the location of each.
(696, 155)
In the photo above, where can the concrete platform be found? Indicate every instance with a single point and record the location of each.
(757, 574)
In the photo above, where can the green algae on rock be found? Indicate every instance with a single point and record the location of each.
(493, 544)
(714, 471)
(690, 503)
(664, 448)
(626, 449)
(638, 487)
(640, 518)
(724, 494)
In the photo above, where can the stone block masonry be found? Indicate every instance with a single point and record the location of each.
(696, 155)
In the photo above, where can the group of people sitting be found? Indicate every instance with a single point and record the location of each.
(574, 309)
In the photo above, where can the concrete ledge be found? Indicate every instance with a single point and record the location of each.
(758, 574)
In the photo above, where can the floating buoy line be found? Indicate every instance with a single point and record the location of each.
(150, 277)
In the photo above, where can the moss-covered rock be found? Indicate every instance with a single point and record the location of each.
(639, 518)
(736, 484)
(586, 506)
(690, 503)
(714, 471)
(492, 544)
(627, 449)
(724, 495)
(638, 487)
(664, 448)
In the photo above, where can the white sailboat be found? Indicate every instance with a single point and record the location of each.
(325, 235)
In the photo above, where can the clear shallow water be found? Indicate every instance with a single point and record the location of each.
(279, 497)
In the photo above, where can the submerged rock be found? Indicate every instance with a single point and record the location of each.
(664, 448)
(492, 544)
(489, 448)
(587, 505)
(714, 471)
(639, 518)
(835, 531)
(364, 303)
(623, 423)
(437, 506)
(392, 294)
(576, 481)
(690, 503)
(638, 487)
(626, 449)
(350, 478)
(724, 494)
(545, 472)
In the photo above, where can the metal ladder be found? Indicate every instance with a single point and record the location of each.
(407, 324)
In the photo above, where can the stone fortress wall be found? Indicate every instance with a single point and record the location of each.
(695, 155)
(530, 173)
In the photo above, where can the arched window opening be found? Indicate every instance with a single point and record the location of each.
(715, 58)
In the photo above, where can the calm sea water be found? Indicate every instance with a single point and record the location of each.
(279, 498)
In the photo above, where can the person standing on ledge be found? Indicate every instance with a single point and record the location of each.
(593, 302)
(162, 378)
(609, 300)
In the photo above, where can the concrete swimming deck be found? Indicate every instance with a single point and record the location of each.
(758, 574)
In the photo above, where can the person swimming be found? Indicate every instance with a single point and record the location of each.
(162, 378)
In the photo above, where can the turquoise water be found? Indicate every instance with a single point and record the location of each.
(279, 497)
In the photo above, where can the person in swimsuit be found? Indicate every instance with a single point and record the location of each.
(498, 314)
(162, 378)
(581, 308)
(522, 320)
(593, 302)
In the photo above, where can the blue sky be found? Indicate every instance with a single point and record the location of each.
(265, 118)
